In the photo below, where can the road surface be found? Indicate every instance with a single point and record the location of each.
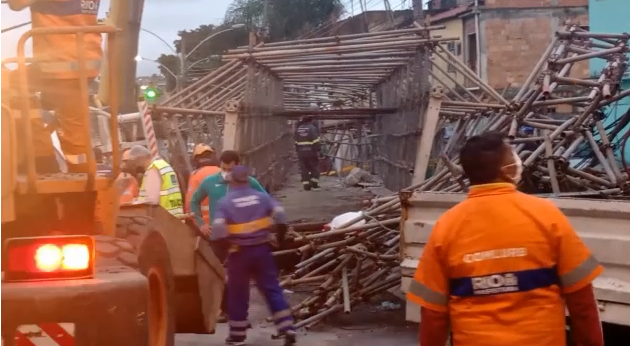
(368, 325)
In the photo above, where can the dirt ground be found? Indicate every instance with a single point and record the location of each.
(314, 206)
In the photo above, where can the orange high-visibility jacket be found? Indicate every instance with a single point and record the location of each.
(132, 191)
(499, 263)
(56, 55)
(196, 177)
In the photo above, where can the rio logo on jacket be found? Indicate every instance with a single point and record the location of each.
(246, 201)
(66, 8)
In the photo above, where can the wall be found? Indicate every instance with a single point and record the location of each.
(454, 28)
(533, 3)
(611, 16)
(513, 40)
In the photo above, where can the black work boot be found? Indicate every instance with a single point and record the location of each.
(315, 185)
(306, 185)
(289, 338)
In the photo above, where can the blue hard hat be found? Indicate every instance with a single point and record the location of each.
(240, 174)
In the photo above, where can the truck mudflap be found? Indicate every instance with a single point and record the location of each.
(108, 310)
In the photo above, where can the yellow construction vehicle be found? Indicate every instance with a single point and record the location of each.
(77, 268)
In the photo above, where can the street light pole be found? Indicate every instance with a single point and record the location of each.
(182, 58)
(235, 26)
(139, 58)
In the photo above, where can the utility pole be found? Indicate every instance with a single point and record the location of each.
(181, 71)
(427, 116)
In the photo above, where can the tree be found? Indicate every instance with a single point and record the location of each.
(168, 61)
(287, 19)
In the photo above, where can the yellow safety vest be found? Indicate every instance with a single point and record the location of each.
(170, 194)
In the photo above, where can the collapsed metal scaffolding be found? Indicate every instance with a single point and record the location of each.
(565, 155)
(371, 93)
(359, 259)
(332, 73)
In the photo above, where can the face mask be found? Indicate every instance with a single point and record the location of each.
(519, 168)
(224, 174)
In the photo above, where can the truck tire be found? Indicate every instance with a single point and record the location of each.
(138, 245)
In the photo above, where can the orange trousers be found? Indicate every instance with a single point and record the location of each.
(64, 97)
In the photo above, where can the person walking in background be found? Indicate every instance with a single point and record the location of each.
(244, 218)
(500, 267)
(308, 146)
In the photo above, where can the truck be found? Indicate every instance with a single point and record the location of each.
(77, 267)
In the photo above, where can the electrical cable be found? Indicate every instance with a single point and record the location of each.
(15, 27)
(322, 28)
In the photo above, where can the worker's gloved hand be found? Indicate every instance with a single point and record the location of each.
(282, 233)
(205, 230)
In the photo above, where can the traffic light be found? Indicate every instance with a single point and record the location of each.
(150, 93)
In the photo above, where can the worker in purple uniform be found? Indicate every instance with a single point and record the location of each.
(245, 217)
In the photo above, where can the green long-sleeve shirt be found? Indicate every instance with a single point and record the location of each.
(214, 187)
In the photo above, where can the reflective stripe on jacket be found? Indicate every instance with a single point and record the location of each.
(499, 264)
(57, 55)
(245, 216)
(196, 177)
(307, 138)
(170, 194)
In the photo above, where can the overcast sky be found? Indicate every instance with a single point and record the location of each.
(163, 17)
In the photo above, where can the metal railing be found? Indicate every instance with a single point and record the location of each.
(25, 100)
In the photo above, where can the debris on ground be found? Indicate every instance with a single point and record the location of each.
(343, 266)
(359, 176)
(342, 219)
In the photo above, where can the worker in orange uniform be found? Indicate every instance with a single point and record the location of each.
(500, 266)
(205, 159)
(56, 61)
(129, 183)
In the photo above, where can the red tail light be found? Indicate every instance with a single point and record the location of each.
(48, 258)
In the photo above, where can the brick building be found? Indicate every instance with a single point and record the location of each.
(503, 39)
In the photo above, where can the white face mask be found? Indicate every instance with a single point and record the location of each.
(519, 168)
(224, 174)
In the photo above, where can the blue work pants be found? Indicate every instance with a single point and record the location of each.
(255, 262)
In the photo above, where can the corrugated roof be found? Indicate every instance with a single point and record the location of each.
(449, 14)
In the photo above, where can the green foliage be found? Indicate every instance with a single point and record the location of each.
(168, 61)
(288, 19)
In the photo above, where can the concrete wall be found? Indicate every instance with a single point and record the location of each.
(454, 28)
(513, 39)
(533, 3)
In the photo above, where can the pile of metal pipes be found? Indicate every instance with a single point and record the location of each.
(343, 268)
(564, 155)
(337, 71)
